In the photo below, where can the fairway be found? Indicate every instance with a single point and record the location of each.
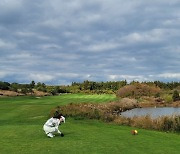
(22, 118)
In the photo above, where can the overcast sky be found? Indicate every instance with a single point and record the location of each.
(62, 41)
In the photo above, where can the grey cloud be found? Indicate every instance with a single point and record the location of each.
(98, 40)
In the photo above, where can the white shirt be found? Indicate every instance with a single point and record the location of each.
(52, 122)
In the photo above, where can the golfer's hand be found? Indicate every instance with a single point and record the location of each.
(62, 135)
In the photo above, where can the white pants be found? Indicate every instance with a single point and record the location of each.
(48, 129)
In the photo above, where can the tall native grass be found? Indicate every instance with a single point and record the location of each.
(105, 112)
(165, 123)
(111, 112)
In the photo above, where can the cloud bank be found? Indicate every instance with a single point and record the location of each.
(59, 42)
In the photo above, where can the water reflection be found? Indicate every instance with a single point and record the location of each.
(153, 112)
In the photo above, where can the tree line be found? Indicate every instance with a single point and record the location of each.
(115, 85)
(23, 88)
(85, 86)
(29, 88)
(91, 85)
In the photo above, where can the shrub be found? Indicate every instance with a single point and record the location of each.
(4, 85)
(175, 96)
(157, 95)
(136, 90)
(171, 124)
(167, 98)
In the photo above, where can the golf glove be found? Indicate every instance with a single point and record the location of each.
(62, 135)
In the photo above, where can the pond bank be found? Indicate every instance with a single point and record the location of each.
(156, 102)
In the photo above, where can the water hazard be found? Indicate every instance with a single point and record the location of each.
(153, 112)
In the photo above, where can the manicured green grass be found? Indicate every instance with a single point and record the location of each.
(22, 118)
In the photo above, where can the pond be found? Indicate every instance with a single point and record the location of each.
(153, 112)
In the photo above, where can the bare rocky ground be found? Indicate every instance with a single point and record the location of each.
(9, 93)
(12, 93)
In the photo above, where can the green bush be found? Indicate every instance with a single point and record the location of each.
(175, 96)
(167, 98)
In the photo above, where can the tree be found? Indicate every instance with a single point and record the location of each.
(14, 87)
(4, 85)
(41, 87)
(24, 90)
(55, 91)
(86, 85)
(175, 96)
(32, 84)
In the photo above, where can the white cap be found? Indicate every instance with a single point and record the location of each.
(63, 119)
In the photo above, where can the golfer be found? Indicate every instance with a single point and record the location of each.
(51, 126)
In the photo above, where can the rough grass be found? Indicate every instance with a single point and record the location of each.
(22, 118)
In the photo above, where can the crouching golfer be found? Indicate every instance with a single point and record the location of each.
(51, 126)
